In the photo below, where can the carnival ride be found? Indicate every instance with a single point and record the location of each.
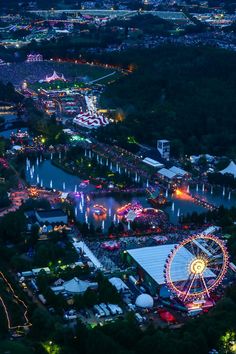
(196, 267)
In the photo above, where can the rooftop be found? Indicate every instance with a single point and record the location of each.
(153, 260)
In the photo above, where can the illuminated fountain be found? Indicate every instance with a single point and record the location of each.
(229, 196)
(197, 188)
(223, 192)
(51, 184)
(129, 225)
(173, 207)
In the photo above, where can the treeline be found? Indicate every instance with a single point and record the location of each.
(221, 216)
(8, 93)
(198, 335)
(226, 180)
(183, 94)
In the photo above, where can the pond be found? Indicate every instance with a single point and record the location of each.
(50, 176)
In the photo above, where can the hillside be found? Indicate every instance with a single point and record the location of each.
(183, 94)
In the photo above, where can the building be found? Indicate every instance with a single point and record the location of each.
(151, 261)
(51, 216)
(34, 57)
(74, 286)
(90, 120)
(166, 174)
(153, 163)
(163, 146)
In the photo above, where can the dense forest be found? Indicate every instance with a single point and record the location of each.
(183, 94)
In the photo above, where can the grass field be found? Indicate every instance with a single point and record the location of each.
(33, 72)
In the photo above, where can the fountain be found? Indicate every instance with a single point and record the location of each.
(178, 213)
(114, 218)
(37, 161)
(211, 189)
(128, 225)
(117, 167)
(41, 158)
(109, 212)
(197, 188)
(76, 211)
(173, 207)
(107, 162)
(166, 193)
(229, 196)
(41, 183)
(37, 179)
(90, 154)
(75, 188)
(51, 184)
(188, 189)
(64, 186)
(82, 198)
(223, 192)
(103, 224)
(51, 155)
(85, 152)
(111, 166)
(147, 183)
(86, 217)
(203, 188)
(59, 155)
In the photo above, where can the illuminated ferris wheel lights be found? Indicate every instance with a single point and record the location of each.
(202, 262)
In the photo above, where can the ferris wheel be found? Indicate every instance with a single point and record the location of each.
(196, 266)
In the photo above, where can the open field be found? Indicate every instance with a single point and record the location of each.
(32, 72)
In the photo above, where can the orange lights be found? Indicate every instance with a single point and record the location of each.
(182, 195)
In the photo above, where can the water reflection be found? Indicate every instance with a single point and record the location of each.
(51, 176)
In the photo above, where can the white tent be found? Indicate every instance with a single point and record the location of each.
(118, 284)
(231, 168)
(144, 301)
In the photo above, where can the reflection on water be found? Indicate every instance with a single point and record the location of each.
(49, 175)
(7, 133)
